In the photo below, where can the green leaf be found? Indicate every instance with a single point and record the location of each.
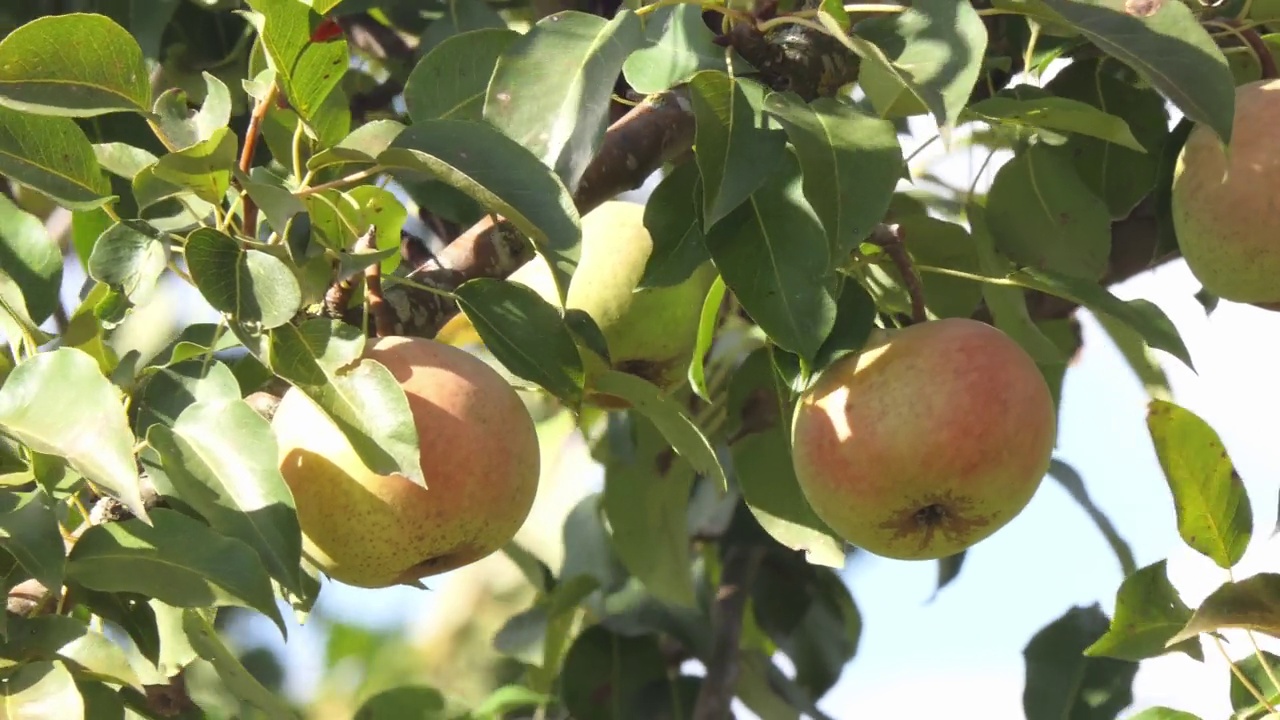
(1260, 675)
(1074, 485)
(772, 253)
(31, 258)
(221, 458)
(180, 128)
(59, 403)
(940, 46)
(501, 175)
(362, 147)
(176, 560)
(322, 358)
(74, 65)
(203, 168)
(1042, 215)
(646, 499)
(1164, 42)
(855, 319)
(938, 243)
(506, 699)
(1214, 516)
(29, 532)
(54, 157)
(734, 150)
(604, 670)
(948, 571)
(175, 652)
(122, 159)
(851, 164)
(168, 391)
(809, 613)
(706, 336)
(759, 418)
(1163, 713)
(87, 652)
(206, 642)
(407, 701)
(130, 257)
(459, 16)
(307, 72)
(680, 46)
(551, 88)
(668, 416)
(1249, 604)
(672, 215)
(451, 80)
(898, 92)
(1149, 611)
(1063, 682)
(526, 334)
(41, 690)
(1119, 176)
(277, 203)
(1147, 319)
(250, 285)
(1044, 111)
(1141, 359)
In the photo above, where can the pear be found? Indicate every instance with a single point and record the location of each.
(1226, 213)
(479, 452)
(926, 442)
(650, 332)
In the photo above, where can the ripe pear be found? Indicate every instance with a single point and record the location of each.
(479, 452)
(931, 439)
(1226, 213)
(652, 332)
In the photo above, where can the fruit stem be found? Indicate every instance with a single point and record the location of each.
(1244, 679)
(893, 240)
(1249, 37)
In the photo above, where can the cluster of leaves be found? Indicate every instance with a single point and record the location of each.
(151, 131)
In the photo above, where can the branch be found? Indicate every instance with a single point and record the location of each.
(655, 132)
(892, 239)
(717, 691)
(246, 155)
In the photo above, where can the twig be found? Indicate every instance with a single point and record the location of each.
(246, 154)
(717, 691)
(893, 239)
(384, 320)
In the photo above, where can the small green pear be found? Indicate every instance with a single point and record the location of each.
(1226, 213)
(651, 332)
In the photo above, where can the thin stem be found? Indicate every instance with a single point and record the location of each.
(781, 20)
(1250, 37)
(967, 276)
(341, 182)
(893, 241)
(875, 8)
(399, 280)
(297, 149)
(921, 149)
(706, 6)
(1244, 679)
(1031, 49)
(246, 154)
(1262, 660)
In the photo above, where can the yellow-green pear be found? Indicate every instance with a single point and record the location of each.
(479, 452)
(930, 440)
(651, 332)
(1226, 213)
